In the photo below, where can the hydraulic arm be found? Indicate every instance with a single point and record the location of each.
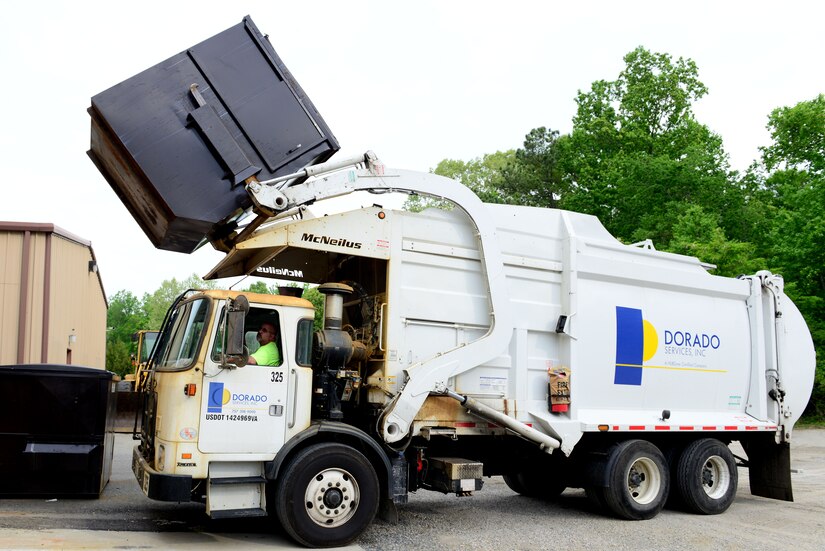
(277, 198)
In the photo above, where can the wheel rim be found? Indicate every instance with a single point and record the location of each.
(331, 498)
(643, 481)
(715, 477)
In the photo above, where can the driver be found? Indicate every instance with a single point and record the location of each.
(268, 353)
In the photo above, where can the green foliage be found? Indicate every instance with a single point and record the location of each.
(157, 303)
(483, 175)
(262, 288)
(697, 233)
(798, 135)
(127, 315)
(794, 165)
(535, 178)
(118, 359)
(636, 150)
(313, 295)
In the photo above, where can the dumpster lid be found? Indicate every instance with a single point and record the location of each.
(178, 141)
(56, 369)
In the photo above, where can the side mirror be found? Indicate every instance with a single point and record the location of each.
(236, 354)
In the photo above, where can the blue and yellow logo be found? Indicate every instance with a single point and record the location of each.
(636, 342)
(218, 397)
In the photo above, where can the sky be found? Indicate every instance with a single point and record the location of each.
(416, 82)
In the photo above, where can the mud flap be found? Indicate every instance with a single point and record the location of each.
(769, 469)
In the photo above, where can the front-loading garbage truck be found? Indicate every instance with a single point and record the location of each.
(457, 344)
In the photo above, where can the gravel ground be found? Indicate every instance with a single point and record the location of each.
(493, 519)
(496, 518)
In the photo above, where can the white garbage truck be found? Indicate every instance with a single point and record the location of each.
(457, 344)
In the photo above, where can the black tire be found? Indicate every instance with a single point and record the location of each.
(327, 495)
(639, 480)
(531, 483)
(706, 477)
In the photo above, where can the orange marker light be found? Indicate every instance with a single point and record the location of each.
(190, 389)
(186, 456)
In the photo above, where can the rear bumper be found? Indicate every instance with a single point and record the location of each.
(158, 486)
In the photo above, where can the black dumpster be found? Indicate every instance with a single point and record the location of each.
(178, 141)
(56, 430)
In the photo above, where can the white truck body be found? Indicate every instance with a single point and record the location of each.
(646, 331)
(457, 317)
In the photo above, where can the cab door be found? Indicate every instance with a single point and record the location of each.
(243, 409)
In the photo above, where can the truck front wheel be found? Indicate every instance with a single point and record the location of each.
(639, 480)
(327, 495)
(706, 477)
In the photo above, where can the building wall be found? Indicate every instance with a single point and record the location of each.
(82, 312)
(62, 298)
(11, 248)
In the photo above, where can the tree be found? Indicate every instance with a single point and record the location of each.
(313, 295)
(798, 135)
(118, 359)
(124, 318)
(534, 177)
(697, 233)
(262, 288)
(483, 175)
(636, 150)
(159, 302)
(794, 165)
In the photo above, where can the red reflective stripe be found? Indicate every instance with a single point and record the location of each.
(751, 428)
(636, 427)
(529, 424)
(465, 425)
(615, 427)
(731, 427)
(662, 427)
(686, 428)
(708, 428)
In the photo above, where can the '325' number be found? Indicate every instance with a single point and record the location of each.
(276, 376)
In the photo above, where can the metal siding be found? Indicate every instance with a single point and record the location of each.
(11, 249)
(77, 301)
(77, 305)
(34, 308)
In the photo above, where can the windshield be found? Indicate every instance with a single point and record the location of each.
(186, 329)
(149, 339)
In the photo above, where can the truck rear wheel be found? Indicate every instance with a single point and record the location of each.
(327, 495)
(706, 477)
(639, 480)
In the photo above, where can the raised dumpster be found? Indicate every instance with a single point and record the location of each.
(178, 141)
(56, 430)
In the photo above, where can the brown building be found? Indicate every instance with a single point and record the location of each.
(52, 303)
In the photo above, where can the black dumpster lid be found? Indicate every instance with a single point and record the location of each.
(177, 141)
(56, 369)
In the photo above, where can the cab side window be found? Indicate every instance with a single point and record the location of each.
(256, 319)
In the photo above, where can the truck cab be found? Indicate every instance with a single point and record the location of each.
(228, 409)
(239, 436)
